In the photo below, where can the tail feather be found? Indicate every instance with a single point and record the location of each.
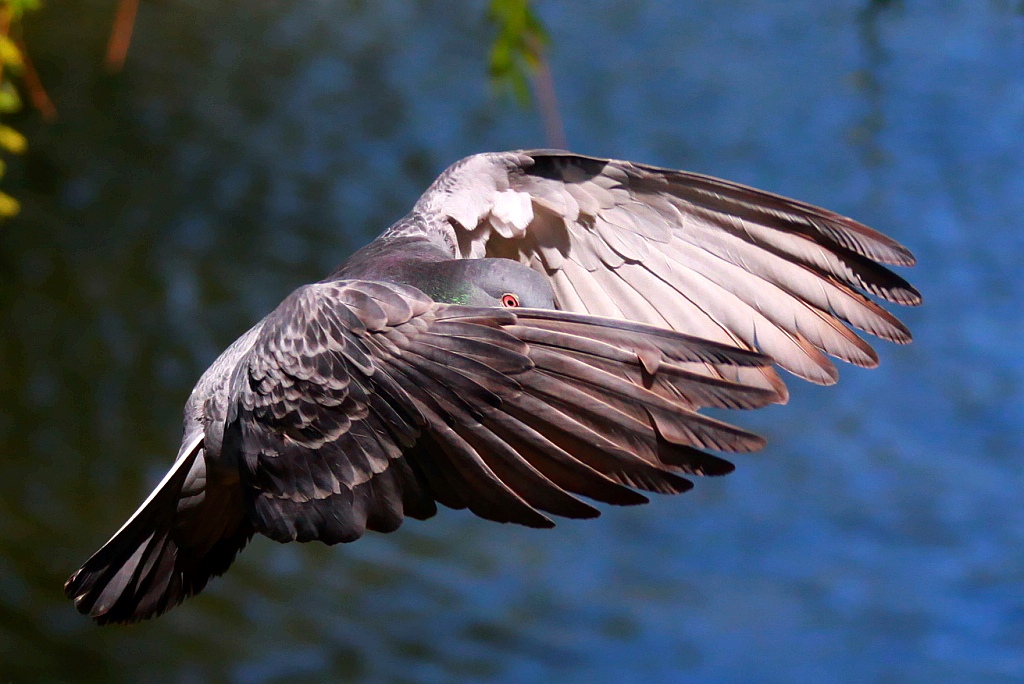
(181, 536)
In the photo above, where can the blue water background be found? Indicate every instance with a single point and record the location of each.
(247, 148)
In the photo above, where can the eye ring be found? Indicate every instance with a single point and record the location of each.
(509, 300)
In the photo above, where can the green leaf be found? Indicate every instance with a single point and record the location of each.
(11, 140)
(10, 55)
(10, 101)
(8, 205)
(517, 48)
(19, 7)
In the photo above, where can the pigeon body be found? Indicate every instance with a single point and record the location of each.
(542, 326)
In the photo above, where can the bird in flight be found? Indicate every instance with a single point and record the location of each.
(542, 326)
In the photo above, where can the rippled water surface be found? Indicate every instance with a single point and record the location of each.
(249, 147)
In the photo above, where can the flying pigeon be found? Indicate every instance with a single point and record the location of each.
(542, 326)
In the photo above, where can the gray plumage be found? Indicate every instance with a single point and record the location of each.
(542, 326)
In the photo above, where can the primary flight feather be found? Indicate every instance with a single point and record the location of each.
(541, 326)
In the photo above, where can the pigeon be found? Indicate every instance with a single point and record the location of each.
(536, 336)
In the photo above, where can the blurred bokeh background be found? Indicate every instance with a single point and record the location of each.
(248, 147)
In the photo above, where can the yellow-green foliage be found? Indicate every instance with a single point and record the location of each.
(12, 64)
(516, 50)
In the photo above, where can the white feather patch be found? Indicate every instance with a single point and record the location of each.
(187, 449)
(512, 213)
(468, 207)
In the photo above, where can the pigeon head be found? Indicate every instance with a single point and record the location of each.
(503, 282)
(487, 282)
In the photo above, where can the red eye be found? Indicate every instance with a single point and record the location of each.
(508, 299)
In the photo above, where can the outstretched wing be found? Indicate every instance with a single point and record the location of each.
(680, 250)
(363, 402)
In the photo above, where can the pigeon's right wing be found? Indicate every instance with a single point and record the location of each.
(679, 250)
(363, 402)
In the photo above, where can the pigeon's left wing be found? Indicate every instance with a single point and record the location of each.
(363, 402)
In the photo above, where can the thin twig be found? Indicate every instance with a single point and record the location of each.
(547, 102)
(5, 28)
(121, 34)
(36, 92)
